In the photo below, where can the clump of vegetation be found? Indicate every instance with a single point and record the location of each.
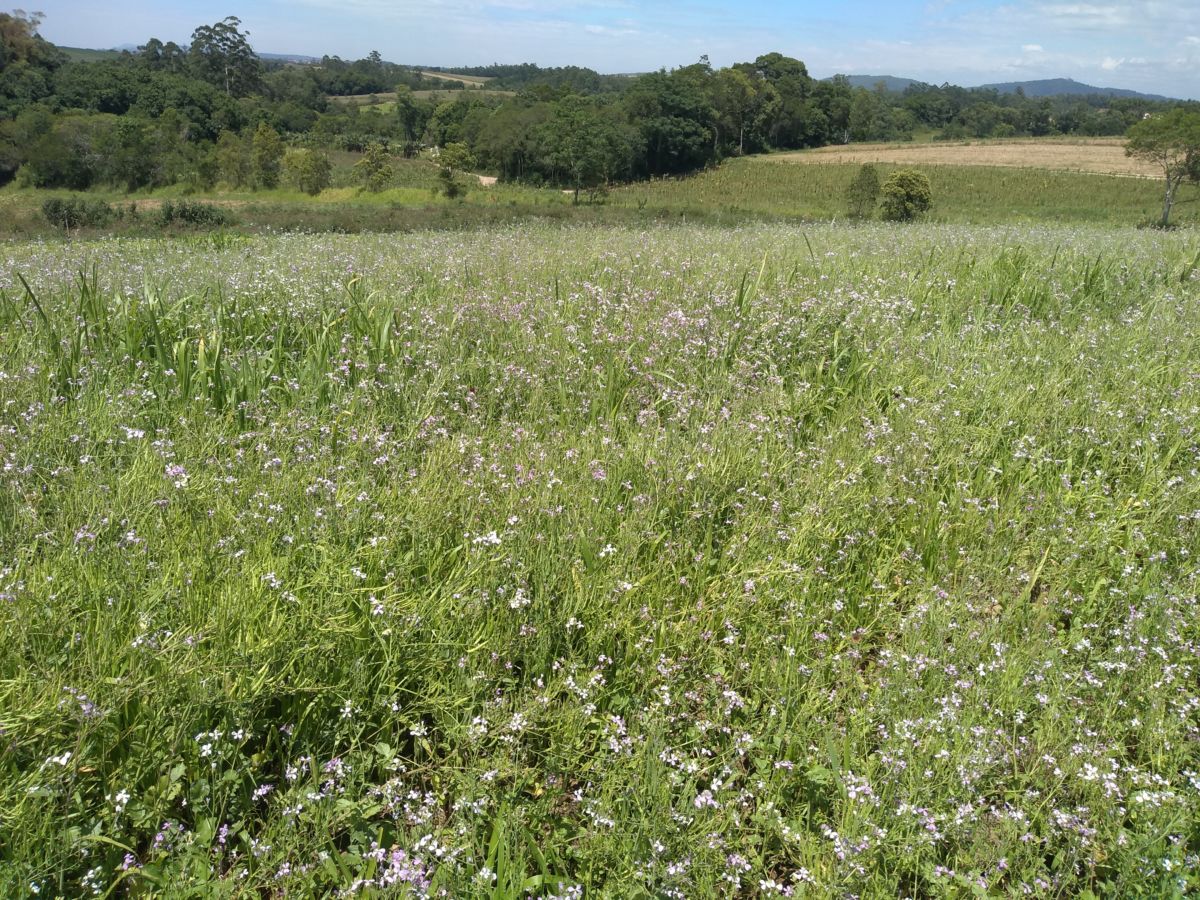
(77, 212)
(452, 160)
(374, 171)
(863, 193)
(907, 195)
(266, 156)
(230, 161)
(193, 213)
(308, 170)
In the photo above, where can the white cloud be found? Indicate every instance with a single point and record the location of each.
(1111, 65)
(1090, 15)
(610, 32)
(1033, 48)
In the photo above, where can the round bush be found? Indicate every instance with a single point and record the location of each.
(906, 195)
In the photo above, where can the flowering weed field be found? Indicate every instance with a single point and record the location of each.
(597, 562)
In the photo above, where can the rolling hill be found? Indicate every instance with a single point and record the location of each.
(1057, 87)
(1045, 87)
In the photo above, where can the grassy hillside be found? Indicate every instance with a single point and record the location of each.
(81, 54)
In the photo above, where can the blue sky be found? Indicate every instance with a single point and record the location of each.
(1149, 46)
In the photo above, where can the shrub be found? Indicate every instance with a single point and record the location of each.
(453, 159)
(189, 212)
(906, 195)
(266, 156)
(863, 193)
(308, 170)
(374, 171)
(76, 212)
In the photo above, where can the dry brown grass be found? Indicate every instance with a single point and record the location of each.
(1102, 156)
(452, 76)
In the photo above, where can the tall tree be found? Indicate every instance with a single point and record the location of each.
(21, 43)
(735, 95)
(154, 54)
(1171, 141)
(27, 62)
(789, 127)
(586, 148)
(673, 117)
(221, 55)
(409, 113)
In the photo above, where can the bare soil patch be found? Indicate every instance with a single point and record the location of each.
(1101, 156)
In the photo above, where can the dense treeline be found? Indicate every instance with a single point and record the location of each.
(213, 113)
(527, 75)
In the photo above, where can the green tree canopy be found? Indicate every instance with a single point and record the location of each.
(266, 156)
(308, 170)
(27, 62)
(374, 171)
(1171, 141)
(586, 147)
(221, 55)
(906, 195)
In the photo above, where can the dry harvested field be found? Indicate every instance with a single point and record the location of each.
(452, 76)
(1104, 156)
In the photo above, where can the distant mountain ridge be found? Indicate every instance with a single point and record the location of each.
(1057, 87)
(1045, 87)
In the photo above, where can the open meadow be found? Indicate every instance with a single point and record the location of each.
(739, 191)
(692, 561)
(813, 186)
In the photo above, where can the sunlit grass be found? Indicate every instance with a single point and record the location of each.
(689, 562)
(971, 194)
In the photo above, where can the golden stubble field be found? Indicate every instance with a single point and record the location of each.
(1103, 156)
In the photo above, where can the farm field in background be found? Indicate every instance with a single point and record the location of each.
(1100, 156)
(751, 561)
(454, 76)
(774, 186)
